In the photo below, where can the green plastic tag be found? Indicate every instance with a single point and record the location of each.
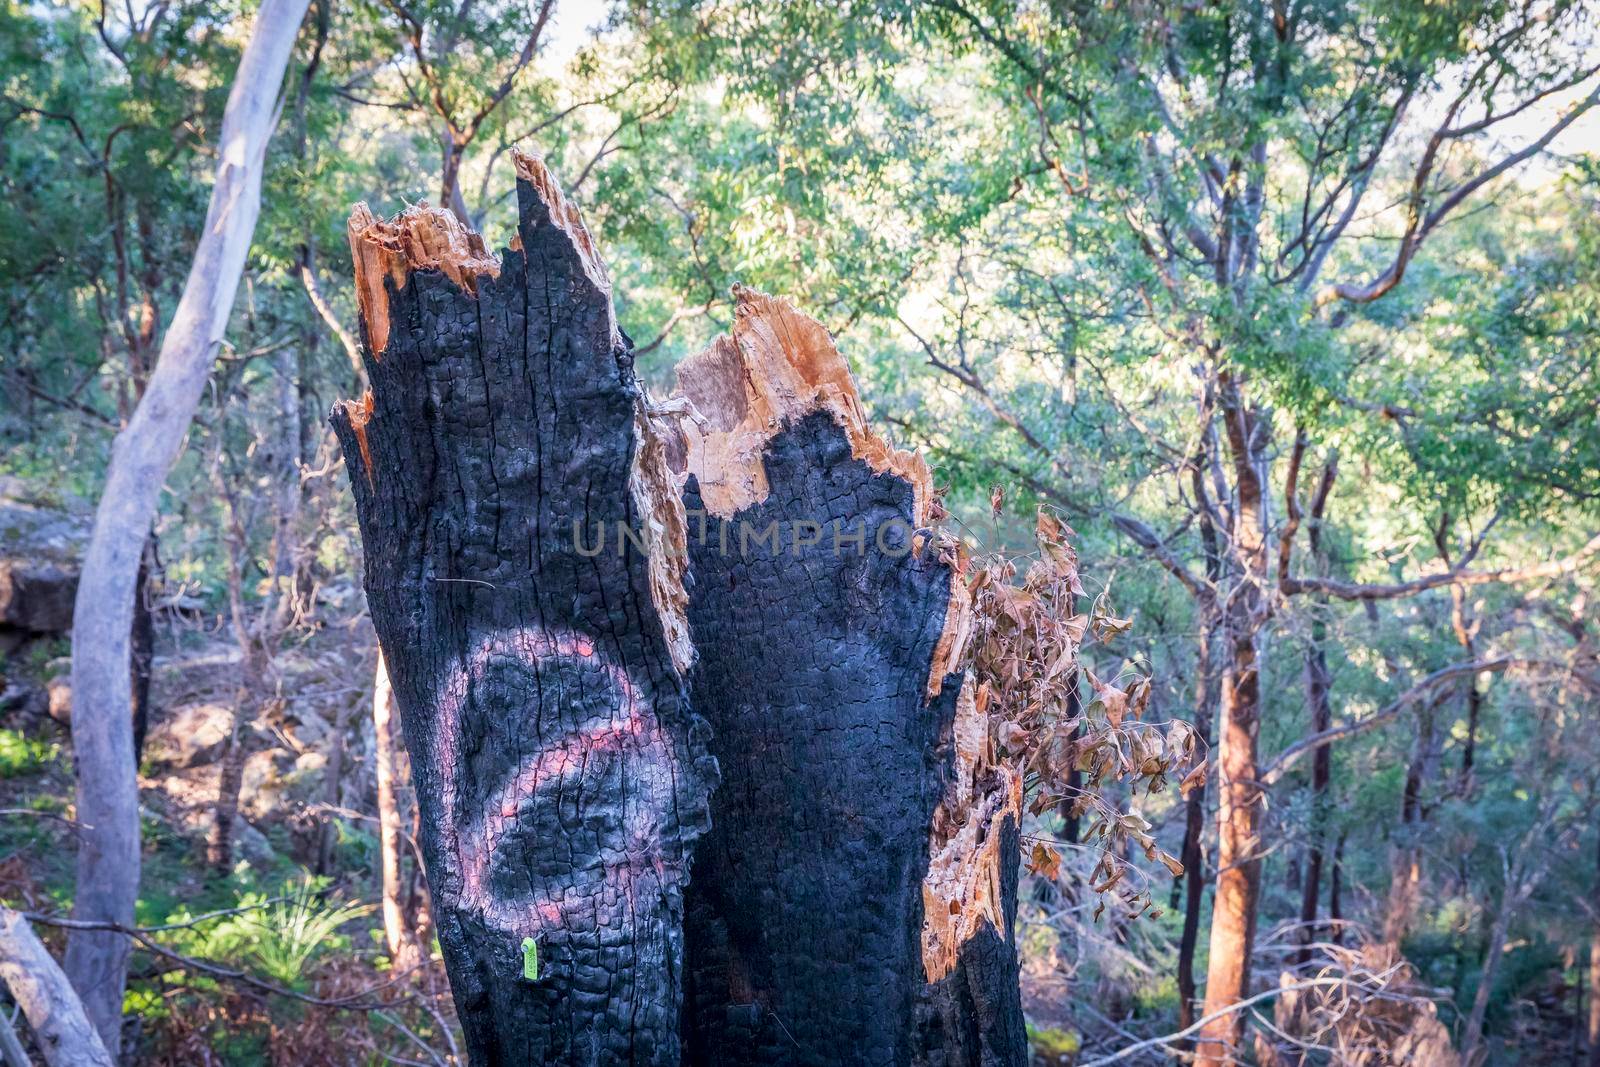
(530, 959)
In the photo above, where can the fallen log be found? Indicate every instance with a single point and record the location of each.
(36, 982)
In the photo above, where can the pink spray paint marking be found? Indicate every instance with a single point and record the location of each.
(634, 733)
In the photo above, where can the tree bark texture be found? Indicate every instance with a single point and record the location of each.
(60, 1029)
(141, 648)
(1194, 851)
(399, 920)
(560, 775)
(1239, 793)
(541, 542)
(824, 925)
(102, 728)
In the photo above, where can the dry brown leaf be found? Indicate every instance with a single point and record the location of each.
(1044, 861)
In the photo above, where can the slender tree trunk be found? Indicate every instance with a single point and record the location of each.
(11, 1049)
(526, 551)
(1318, 686)
(1405, 875)
(1193, 853)
(219, 845)
(1465, 627)
(1472, 1034)
(1335, 889)
(253, 662)
(286, 547)
(60, 1028)
(333, 786)
(399, 926)
(450, 197)
(1233, 912)
(102, 733)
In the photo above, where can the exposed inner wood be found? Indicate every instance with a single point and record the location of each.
(421, 237)
(657, 496)
(778, 366)
(962, 890)
(360, 413)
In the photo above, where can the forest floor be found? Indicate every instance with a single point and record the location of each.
(305, 870)
(303, 831)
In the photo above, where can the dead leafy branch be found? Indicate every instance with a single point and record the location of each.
(1028, 653)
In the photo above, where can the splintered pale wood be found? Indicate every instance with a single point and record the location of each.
(54, 1013)
(852, 890)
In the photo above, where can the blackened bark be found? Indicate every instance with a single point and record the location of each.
(141, 648)
(806, 905)
(854, 898)
(560, 775)
(1335, 885)
(1193, 855)
(1317, 696)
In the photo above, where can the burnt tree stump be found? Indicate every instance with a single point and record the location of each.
(588, 602)
(560, 775)
(854, 899)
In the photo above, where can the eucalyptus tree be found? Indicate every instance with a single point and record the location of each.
(1218, 205)
(108, 795)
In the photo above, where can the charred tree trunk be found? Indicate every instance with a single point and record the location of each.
(560, 774)
(855, 896)
(1335, 889)
(534, 581)
(1193, 854)
(1194, 815)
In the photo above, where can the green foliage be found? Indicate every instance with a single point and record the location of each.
(21, 754)
(279, 937)
(1053, 1046)
(995, 207)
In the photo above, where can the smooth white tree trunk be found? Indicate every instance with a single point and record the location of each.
(46, 998)
(102, 734)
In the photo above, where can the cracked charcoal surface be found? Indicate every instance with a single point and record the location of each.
(560, 774)
(805, 909)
